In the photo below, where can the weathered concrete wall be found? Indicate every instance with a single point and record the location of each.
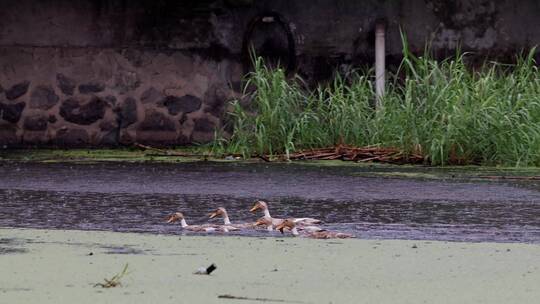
(109, 72)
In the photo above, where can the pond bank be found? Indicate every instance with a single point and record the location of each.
(59, 266)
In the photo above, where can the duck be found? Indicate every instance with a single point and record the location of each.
(179, 216)
(268, 223)
(221, 211)
(262, 205)
(321, 234)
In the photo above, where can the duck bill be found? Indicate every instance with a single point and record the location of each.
(255, 208)
(213, 214)
(171, 219)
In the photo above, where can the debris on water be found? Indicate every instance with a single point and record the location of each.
(359, 154)
(114, 281)
(90, 253)
(231, 297)
(206, 270)
(414, 246)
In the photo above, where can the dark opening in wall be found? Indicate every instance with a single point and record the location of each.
(269, 36)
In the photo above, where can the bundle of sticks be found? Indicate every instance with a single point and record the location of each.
(359, 154)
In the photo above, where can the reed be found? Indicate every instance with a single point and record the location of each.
(443, 110)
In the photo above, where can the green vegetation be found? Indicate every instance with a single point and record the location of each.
(98, 155)
(443, 110)
(115, 280)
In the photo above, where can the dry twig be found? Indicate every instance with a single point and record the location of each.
(359, 154)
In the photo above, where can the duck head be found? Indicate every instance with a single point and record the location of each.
(286, 224)
(263, 221)
(177, 216)
(259, 205)
(218, 212)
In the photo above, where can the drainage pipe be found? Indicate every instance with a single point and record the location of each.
(379, 61)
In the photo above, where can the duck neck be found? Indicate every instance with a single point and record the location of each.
(226, 219)
(267, 213)
(295, 231)
(183, 223)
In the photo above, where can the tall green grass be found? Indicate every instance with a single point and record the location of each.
(442, 109)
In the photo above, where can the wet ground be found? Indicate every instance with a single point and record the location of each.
(360, 200)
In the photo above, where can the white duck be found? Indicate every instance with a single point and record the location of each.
(301, 221)
(226, 221)
(179, 216)
(267, 222)
(321, 234)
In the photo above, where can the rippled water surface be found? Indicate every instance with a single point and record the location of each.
(66, 197)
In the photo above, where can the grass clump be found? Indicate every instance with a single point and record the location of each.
(443, 110)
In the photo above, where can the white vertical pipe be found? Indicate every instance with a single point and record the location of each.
(379, 61)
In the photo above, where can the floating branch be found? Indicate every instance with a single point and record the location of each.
(511, 177)
(227, 296)
(115, 280)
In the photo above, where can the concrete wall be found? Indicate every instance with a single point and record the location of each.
(109, 72)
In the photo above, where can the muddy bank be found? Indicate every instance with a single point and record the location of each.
(56, 267)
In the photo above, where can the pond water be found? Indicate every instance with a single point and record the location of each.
(137, 198)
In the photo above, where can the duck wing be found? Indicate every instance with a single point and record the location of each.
(310, 228)
(243, 225)
(203, 228)
(227, 228)
(277, 221)
(329, 235)
(306, 221)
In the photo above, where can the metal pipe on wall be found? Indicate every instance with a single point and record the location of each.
(380, 54)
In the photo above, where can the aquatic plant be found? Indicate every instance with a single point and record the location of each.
(444, 110)
(114, 281)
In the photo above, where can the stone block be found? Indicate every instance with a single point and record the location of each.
(127, 113)
(203, 130)
(185, 104)
(8, 135)
(110, 138)
(151, 95)
(91, 87)
(36, 122)
(66, 84)
(17, 90)
(71, 137)
(43, 97)
(126, 81)
(74, 111)
(156, 121)
(11, 112)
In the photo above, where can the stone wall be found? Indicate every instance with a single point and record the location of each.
(114, 72)
(81, 97)
(106, 73)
